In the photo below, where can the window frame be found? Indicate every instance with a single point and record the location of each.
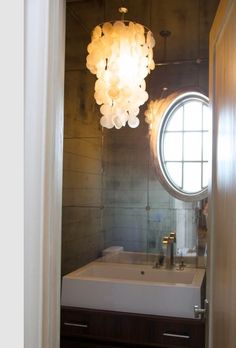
(174, 103)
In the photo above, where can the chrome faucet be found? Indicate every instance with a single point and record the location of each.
(168, 243)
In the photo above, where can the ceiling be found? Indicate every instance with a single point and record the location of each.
(188, 21)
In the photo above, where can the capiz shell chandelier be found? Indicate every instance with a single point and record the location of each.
(121, 56)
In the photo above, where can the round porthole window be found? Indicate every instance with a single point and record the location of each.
(182, 146)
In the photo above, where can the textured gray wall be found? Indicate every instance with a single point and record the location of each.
(82, 237)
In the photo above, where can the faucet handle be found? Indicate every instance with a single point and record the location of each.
(156, 265)
(181, 266)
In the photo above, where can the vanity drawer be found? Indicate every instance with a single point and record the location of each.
(131, 329)
(181, 332)
(92, 323)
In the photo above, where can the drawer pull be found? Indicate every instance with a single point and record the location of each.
(75, 324)
(175, 335)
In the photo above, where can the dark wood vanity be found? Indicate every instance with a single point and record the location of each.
(91, 328)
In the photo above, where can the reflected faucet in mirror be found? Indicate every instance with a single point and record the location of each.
(169, 247)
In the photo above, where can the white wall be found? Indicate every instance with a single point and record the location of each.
(44, 83)
(11, 173)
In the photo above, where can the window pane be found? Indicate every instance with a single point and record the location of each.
(205, 174)
(192, 177)
(193, 115)
(175, 172)
(192, 146)
(205, 146)
(175, 122)
(173, 146)
(206, 117)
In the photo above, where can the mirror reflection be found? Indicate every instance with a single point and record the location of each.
(111, 193)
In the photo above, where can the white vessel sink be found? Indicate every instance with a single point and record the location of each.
(134, 289)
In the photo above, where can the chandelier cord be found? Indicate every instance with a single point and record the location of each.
(165, 34)
(123, 10)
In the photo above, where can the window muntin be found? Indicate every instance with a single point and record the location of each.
(183, 145)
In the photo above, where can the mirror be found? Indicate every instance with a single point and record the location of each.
(138, 211)
(111, 195)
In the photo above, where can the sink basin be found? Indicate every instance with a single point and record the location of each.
(137, 273)
(134, 288)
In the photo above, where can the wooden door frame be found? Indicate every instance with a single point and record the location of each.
(217, 29)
